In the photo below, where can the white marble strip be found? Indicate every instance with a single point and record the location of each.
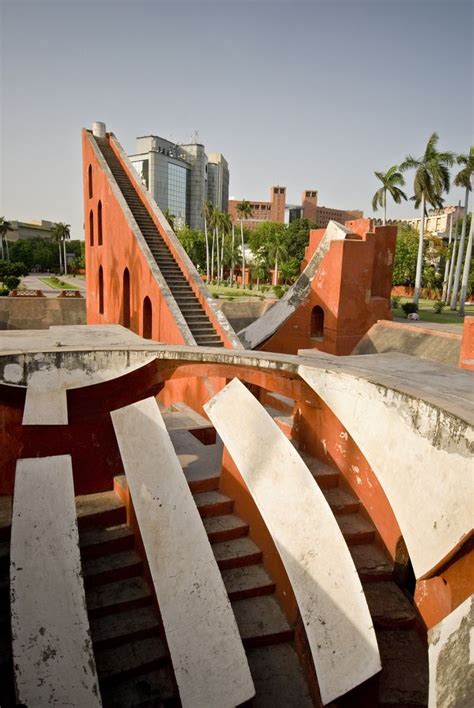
(208, 657)
(316, 558)
(430, 487)
(52, 649)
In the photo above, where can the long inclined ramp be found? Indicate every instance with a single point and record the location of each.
(198, 322)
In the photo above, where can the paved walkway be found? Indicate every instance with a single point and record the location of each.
(33, 282)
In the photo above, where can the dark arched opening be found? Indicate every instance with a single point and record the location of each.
(99, 223)
(89, 181)
(317, 322)
(91, 227)
(147, 318)
(126, 299)
(101, 291)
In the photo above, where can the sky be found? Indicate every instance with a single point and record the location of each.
(307, 94)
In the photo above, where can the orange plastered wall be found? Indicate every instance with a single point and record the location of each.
(120, 250)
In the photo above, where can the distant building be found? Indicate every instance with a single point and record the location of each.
(181, 178)
(438, 221)
(29, 229)
(277, 210)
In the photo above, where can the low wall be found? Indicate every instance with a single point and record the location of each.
(41, 312)
(432, 344)
(242, 313)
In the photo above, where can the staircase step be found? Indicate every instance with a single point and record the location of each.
(102, 541)
(278, 677)
(340, 501)
(404, 676)
(247, 581)
(117, 597)
(327, 477)
(225, 528)
(389, 606)
(130, 659)
(213, 504)
(106, 569)
(101, 509)
(355, 529)
(111, 630)
(236, 553)
(371, 562)
(261, 621)
(150, 689)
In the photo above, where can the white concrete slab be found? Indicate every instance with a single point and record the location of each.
(320, 568)
(52, 649)
(419, 454)
(208, 657)
(46, 401)
(451, 658)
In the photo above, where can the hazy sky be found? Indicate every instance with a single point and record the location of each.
(314, 94)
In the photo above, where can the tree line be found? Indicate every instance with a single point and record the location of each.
(431, 180)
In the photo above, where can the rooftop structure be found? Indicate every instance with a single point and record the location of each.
(29, 229)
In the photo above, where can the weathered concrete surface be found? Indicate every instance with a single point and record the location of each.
(52, 649)
(421, 454)
(451, 659)
(318, 563)
(260, 330)
(427, 343)
(209, 661)
(41, 312)
(242, 312)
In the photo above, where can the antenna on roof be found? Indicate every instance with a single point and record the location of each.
(195, 137)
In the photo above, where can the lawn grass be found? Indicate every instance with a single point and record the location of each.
(427, 314)
(224, 291)
(62, 285)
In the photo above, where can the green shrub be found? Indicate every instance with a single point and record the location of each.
(439, 306)
(278, 290)
(4, 292)
(215, 296)
(409, 307)
(11, 282)
(395, 302)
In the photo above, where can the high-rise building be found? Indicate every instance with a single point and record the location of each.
(181, 178)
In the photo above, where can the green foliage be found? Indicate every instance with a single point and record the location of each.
(391, 181)
(194, 243)
(11, 282)
(406, 250)
(290, 270)
(278, 290)
(395, 302)
(409, 307)
(439, 306)
(42, 254)
(298, 238)
(431, 173)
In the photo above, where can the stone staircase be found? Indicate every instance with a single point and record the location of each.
(403, 680)
(196, 318)
(130, 648)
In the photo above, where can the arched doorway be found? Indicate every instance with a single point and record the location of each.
(147, 318)
(99, 223)
(317, 323)
(101, 291)
(126, 298)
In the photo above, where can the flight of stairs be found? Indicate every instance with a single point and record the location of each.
(130, 649)
(403, 680)
(196, 318)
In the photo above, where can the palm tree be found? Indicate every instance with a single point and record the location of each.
(206, 213)
(5, 227)
(60, 233)
(214, 217)
(244, 211)
(431, 180)
(467, 267)
(277, 251)
(462, 179)
(226, 228)
(391, 182)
